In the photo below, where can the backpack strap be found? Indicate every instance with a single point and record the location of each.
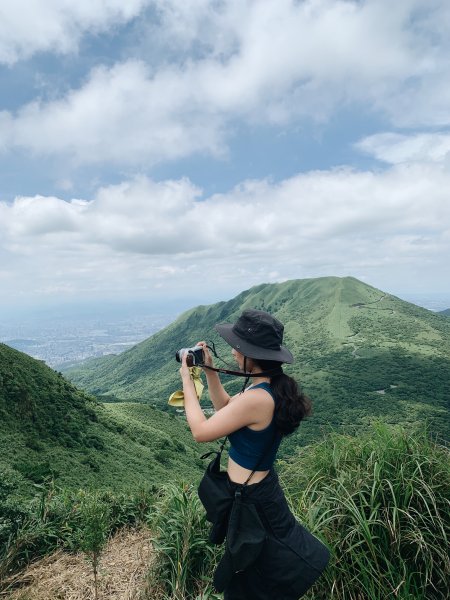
(218, 452)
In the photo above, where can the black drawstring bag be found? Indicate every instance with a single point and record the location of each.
(215, 496)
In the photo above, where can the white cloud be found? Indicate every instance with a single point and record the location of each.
(29, 26)
(272, 61)
(142, 233)
(121, 115)
(205, 68)
(395, 148)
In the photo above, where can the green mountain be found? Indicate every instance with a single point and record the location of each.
(445, 312)
(360, 353)
(49, 428)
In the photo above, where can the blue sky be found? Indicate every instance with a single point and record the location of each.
(162, 149)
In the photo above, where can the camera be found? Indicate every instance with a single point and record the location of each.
(194, 355)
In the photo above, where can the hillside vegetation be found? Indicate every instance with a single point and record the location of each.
(360, 353)
(49, 429)
(379, 500)
(74, 472)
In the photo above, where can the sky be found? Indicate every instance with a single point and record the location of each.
(186, 150)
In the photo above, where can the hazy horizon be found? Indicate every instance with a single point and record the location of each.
(125, 308)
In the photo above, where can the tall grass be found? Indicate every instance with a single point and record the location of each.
(56, 518)
(381, 500)
(185, 560)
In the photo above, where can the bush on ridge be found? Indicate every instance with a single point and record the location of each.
(381, 501)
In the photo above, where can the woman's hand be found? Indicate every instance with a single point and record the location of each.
(207, 358)
(219, 397)
(184, 369)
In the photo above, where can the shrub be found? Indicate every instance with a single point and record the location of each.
(93, 530)
(185, 559)
(381, 501)
(22, 533)
(35, 470)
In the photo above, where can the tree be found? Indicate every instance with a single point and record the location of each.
(93, 533)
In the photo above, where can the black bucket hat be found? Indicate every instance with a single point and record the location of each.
(256, 334)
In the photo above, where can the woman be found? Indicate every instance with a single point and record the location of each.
(281, 558)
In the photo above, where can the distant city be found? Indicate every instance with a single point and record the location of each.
(64, 342)
(65, 339)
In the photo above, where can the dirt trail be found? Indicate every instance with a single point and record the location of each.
(369, 306)
(124, 565)
(338, 295)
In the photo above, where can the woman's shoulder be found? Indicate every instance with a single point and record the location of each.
(259, 401)
(264, 385)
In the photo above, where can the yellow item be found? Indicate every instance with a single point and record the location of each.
(177, 398)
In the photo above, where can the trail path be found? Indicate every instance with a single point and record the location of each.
(338, 304)
(369, 306)
(124, 566)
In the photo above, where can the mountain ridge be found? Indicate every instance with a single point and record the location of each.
(49, 429)
(360, 353)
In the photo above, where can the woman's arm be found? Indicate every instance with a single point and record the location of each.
(194, 414)
(217, 393)
(237, 414)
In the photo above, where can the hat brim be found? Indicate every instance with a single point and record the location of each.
(225, 330)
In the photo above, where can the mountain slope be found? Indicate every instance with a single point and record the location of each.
(445, 312)
(359, 353)
(49, 428)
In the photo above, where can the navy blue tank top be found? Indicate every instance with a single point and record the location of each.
(247, 446)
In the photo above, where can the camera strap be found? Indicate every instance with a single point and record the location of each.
(270, 373)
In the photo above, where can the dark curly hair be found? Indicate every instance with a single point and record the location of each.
(291, 404)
